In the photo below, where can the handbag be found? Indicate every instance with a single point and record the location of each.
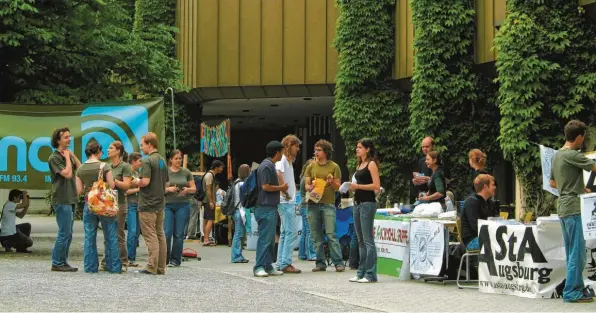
(101, 200)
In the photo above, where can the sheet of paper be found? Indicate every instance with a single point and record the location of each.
(345, 187)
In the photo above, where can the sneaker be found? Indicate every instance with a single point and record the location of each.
(354, 279)
(583, 299)
(144, 272)
(340, 268)
(365, 280)
(173, 265)
(319, 269)
(291, 270)
(275, 272)
(261, 273)
(64, 268)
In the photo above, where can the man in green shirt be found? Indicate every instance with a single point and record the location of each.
(567, 176)
(63, 164)
(324, 171)
(152, 190)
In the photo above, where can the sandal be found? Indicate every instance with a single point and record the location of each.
(209, 244)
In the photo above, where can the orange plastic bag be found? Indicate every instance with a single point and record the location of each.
(101, 200)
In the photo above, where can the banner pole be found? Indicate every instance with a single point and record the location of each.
(173, 116)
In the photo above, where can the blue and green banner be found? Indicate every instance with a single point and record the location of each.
(26, 130)
(392, 243)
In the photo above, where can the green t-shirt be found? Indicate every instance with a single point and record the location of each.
(179, 179)
(567, 170)
(152, 196)
(89, 172)
(314, 170)
(133, 198)
(64, 190)
(119, 172)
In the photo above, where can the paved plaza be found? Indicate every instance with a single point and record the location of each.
(214, 284)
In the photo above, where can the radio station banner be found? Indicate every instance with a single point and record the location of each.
(525, 260)
(393, 249)
(427, 247)
(26, 130)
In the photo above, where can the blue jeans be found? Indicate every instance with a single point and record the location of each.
(319, 214)
(238, 234)
(134, 229)
(364, 220)
(575, 252)
(354, 250)
(65, 221)
(176, 217)
(266, 217)
(306, 247)
(112, 254)
(288, 235)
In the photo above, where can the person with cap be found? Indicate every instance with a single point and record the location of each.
(266, 210)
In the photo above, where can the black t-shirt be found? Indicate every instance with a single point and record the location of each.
(475, 208)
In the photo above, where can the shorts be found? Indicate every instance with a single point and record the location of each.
(208, 214)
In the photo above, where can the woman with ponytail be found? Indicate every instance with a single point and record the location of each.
(477, 161)
(122, 175)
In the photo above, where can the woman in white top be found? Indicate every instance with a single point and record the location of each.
(243, 172)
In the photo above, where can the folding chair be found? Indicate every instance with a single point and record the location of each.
(466, 256)
(504, 215)
(528, 217)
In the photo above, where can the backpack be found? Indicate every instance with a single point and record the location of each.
(227, 206)
(201, 194)
(249, 193)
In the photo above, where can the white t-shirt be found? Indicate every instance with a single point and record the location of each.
(237, 194)
(9, 219)
(287, 170)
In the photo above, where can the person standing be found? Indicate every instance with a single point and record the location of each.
(365, 208)
(306, 247)
(122, 176)
(324, 171)
(11, 234)
(477, 161)
(208, 184)
(266, 210)
(239, 227)
(424, 173)
(287, 206)
(566, 175)
(63, 164)
(152, 188)
(87, 175)
(181, 187)
(132, 218)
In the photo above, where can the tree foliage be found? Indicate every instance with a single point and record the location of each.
(450, 102)
(366, 104)
(547, 75)
(78, 51)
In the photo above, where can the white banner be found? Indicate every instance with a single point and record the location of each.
(393, 251)
(524, 260)
(588, 207)
(427, 247)
(546, 158)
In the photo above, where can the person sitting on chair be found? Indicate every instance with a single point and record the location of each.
(477, 206)
(12, 235)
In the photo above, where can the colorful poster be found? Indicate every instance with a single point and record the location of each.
(25, 135)
(393, 250)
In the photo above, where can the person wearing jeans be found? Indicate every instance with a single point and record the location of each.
(306, 247)
(132, 217)
(63, 164)
(268, 189)
(566, 175)
(239, 229)
(181, 186)
(87, 175)
(323, 175)
(287, 207)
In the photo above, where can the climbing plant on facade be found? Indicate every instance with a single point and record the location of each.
(450, 102)
(366, 103)
(547, 76)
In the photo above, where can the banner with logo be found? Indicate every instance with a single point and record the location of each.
(588, 207)
(393, 249)
(427, 247)
(525, 260)
(26, 130)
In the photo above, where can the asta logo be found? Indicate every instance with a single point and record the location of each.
(104, 124)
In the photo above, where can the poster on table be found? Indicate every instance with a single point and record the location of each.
(427, 247)
(393, 251)
(525, 260)
(588, 208)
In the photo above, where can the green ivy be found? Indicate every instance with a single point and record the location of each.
(547, 76)
(450, 102)
(366, 103)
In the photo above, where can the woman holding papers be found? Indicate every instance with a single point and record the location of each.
(365, 208)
